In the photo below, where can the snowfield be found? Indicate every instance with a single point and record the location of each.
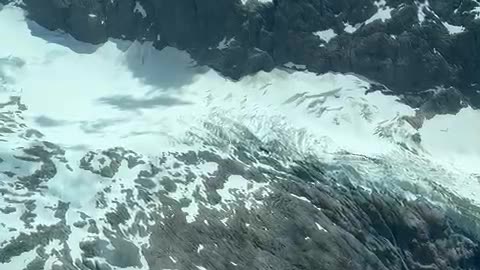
(107, 107)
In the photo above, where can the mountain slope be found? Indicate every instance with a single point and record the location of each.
(120, 156)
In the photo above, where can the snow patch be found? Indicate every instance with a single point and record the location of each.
(453, 29)
(384, 12)
(139, 9)
(350, 29)
(326, 35)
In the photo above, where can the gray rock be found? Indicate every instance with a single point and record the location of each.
(80, 224)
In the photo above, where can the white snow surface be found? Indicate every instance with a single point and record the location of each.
(422, 6)
(326, 35)
(85, 98)
(384, 12)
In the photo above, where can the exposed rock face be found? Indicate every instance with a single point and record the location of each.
(408, 49)
(184, 24)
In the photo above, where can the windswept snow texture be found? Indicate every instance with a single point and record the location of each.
(107, 152)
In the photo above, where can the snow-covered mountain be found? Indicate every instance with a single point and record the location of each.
(406, 45)
(122, 156)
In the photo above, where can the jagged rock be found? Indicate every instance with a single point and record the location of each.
(445, 101)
